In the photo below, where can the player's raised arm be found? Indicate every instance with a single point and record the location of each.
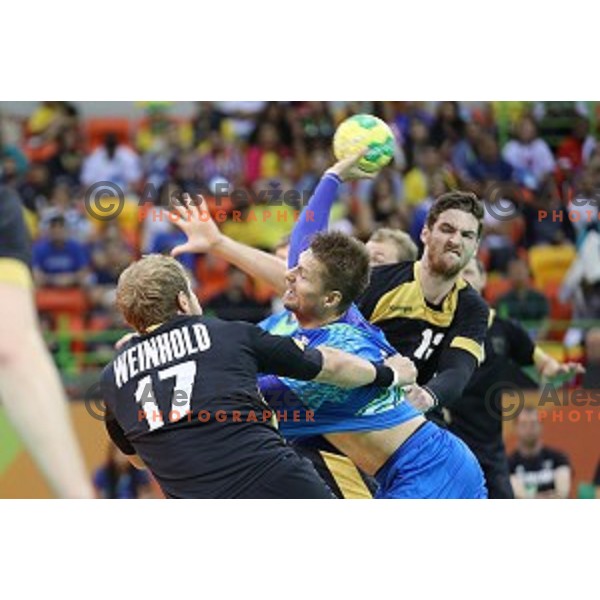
(315, 215)
(205, 237)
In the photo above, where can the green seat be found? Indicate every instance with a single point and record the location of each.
(586, 491)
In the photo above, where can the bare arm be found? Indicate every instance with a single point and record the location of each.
(258, 264)
(204, 236)
(550, 368)
(285, 356)
(350, 371)
(33, 397)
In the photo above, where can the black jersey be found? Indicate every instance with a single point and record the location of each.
(185, 399)
(15, 246)
(477, 418)
(395, 303)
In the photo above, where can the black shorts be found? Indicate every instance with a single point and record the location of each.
(291, 478)
(15, 246)
(337, 470)
(494, 465)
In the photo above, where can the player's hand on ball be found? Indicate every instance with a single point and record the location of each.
(347, 169)
(195, 221)
(419, 398)
(404, 367)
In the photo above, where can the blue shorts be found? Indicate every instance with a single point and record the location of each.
(432, 463)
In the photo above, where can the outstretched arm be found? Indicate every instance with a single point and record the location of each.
(287, 357)
(204, 236)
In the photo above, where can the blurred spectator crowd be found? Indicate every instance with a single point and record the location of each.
(525, 159)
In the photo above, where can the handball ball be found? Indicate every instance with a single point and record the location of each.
(365, 132)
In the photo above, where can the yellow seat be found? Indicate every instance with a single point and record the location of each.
(550, 263)
(555, 349)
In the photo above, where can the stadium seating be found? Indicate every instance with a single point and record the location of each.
(496, 287)
(550, 263)
(95, 131)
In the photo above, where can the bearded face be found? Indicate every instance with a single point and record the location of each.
(451, 242)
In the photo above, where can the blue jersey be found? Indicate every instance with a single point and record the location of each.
(310, 408)
(307, 408)
(281, 323)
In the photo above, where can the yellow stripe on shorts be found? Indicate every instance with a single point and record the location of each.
(346, 476)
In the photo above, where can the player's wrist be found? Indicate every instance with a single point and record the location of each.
(333, 173)
(385, 376)
(436, 400)
(220, 244)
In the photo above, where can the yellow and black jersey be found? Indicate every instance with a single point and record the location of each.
(15, 246)
(425, 333)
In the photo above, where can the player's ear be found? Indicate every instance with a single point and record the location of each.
(333, 299)
(183, 303)
(425, 234)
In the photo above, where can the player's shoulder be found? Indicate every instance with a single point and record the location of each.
(470, 301)
(390, 276)
(352, 334)
(384, 279)
(106, 385)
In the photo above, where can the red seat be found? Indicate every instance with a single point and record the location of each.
(72, 301)
(496, 287)
(97, 129)
(213, 277)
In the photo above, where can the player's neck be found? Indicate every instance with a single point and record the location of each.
(435, 287)
(315, 321)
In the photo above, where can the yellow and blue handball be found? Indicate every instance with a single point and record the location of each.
(365, 132)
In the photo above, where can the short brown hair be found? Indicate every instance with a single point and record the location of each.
(346, 263)
(465, 201)
(148, 289)
(407, 249)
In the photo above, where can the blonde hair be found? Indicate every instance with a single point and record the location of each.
(407, 249)
(148, 289)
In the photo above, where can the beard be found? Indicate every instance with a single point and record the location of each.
(444, 268)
